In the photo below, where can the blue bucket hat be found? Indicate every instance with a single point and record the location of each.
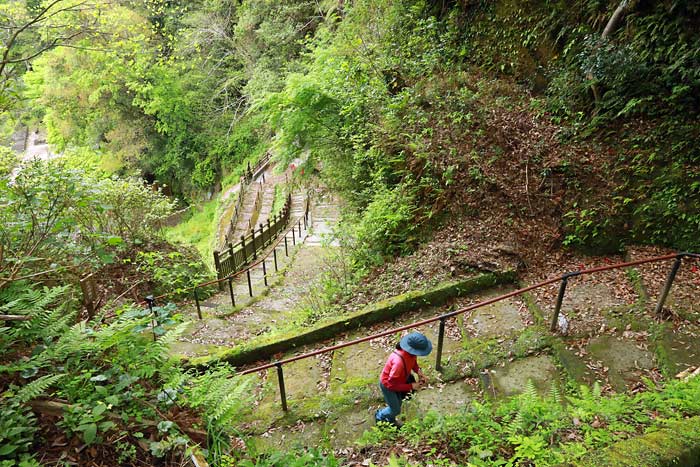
(416, 343)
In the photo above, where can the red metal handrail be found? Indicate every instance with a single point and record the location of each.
(442, 318)
(399, 329)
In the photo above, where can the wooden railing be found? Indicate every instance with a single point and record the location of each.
(239, 255)
(293, 228)
(248, 175)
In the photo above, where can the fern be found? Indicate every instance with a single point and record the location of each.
(172, 335)
(555, 394)
(221, 396)
(530, 392)
(37, 387)
(45, 306)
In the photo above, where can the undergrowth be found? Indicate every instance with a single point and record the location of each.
(198, 230)
(531, 429)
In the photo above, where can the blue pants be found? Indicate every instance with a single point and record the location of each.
(393, 408)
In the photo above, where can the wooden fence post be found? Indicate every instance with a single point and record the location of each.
(217, 264)
(233, 258)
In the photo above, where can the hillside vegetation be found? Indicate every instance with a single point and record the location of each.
(537, 124)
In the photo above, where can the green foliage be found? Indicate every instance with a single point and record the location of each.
(530, 429)
(87, 421)
(385, 227)
(57, 218)
(198, 229)
(223, 399)
(174, 273)
(309, 458)
(112, 375)
(17, 429)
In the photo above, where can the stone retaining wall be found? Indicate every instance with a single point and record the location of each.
(384, 310)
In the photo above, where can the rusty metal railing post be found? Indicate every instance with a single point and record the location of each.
(250, 284)
(274, 255)
(230, 291)
(264, 272)
(196, 301)
(667, 286)
(286, 249)
(560, 299)
(441, 338)
(299, 223)
(280, 380)
(294, 242)
(150, 300)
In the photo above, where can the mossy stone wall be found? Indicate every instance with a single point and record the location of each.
(677, 446)
(263, 348)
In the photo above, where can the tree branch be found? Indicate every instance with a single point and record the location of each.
(42, 16)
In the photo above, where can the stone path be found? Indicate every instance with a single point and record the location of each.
(271, 307)
(264, 183)
(491, 352)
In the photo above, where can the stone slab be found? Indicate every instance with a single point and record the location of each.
(514, 376)
(356, 363)
(623, 358)
(445, 399)
(301, 378)
(682, 351)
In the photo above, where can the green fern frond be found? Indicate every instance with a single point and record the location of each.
(37, 387)
(555, 394)
(173, 334)
(530, 392)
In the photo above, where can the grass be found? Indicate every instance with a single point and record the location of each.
(199, 230)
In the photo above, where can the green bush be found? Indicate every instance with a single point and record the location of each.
(17, 429)
(174, 273)
(385, 227)
(530, 429)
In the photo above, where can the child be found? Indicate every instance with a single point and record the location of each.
(396, 380)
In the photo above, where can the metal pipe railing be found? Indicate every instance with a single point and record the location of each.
(443, 318)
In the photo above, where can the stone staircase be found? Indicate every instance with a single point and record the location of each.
(492, 352)
(300, 266)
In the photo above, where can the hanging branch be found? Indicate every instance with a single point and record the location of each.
(42, 16)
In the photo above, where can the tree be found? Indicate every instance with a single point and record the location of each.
(29, 29)
(55, 219)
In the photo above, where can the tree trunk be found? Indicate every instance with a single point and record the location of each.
(615, 19)
(613, 22)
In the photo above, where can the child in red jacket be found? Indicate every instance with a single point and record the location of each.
(396, 380)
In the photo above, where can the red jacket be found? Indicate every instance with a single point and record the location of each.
(395, 372)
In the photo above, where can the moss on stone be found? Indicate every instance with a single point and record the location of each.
(676, 445)
(534, 308)
(267, 345)
(574, 367)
